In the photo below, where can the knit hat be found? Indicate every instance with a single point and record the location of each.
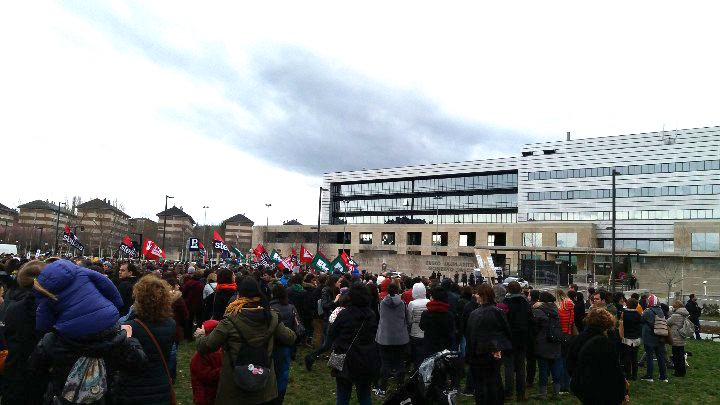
(209, 325)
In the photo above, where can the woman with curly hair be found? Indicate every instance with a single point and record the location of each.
(597, 377)
(153, 324)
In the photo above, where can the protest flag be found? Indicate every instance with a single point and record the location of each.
(305, 256)
(275, 256)
(338, 265)
(259, 250)
(152, 251)
(127, 247)
(72, 240)
(320, 263)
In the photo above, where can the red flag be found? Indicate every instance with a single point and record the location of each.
(286, 263)
(202, 247)
(67, 229)
(152, 251)
(259, 250)
(127, 241)
(305, 256)
(345, 258)
(216, 236)
(294, 252)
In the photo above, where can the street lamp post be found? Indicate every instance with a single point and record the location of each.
(165, 221)
(317, 246)
(141, 243)
(57, 226)
(267, 221)
(612, 247)
(437, 222)
(205, 207)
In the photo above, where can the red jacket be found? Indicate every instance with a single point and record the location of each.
(192, 294)
(204, 376)
(566, 312)
(407, 296)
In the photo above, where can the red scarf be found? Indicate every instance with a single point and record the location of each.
(438, 306)
(229, 286)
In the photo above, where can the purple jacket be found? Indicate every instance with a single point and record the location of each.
(87, 301)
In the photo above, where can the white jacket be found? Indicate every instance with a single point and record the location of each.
(415, 309)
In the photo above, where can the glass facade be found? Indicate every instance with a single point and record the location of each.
(473, 198)
(650, 168)
(566, 239)
(533, 239)
(387, 238)
(626, 215)
(705, 241)
(706, 189)
(366, 238)
(648, 245)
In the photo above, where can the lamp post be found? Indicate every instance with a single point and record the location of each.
(267, 221)
(317, 246)
(141, 243)
(165, 221)
(344, 226)
(57, 226)
(612, 247)
(437, 198)
(205, 207)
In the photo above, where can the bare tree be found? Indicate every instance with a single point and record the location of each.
(671, 274)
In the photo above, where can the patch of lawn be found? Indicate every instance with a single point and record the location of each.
(700, 386)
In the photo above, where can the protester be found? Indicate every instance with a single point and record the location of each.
(597, 378)
(192, 292)
(392, 338)
(225, 292)
(205, 371)
(282, 353)
(520, 321)
(547, 344)
(675, 324)
(631, 324)
(694, 310)
(153, 325)
(488, 336)
(566, 313)
(249, 330)
(20, 338)
(353, 333)
(128, 276)
(533, 297)
(654, 346)
(414, 312)
(437, 323)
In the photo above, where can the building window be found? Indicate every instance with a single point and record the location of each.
(342, 237)
(388, 238)
(491, 240)
(439, 238)
(467, 239)
(465, 254)
(439, 253)
(566, 239)
(366, 238)
(532, 239)
(705, 241)
(413, 252)
(414, 238)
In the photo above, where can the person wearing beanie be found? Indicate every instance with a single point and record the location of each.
(75, 301)
(249, 331)
(205, 371)
(654, 346)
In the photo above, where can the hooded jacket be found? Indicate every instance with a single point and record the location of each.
(392, 329)
(87, 301)
(252, 326)
(437, 323)
(55, 355)
(675, 323)
(415, 309)
(544, 316)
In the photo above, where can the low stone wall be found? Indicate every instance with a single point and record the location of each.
(653, 273)
(415, 264)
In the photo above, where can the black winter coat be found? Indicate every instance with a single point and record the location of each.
(361, 363)
(438, 327)
(220, 301)
(125, 287)
(694, 310)
(592, 362)
(632, 323)
(487, 332)
(520, 321)
(149, 386)
(20, 338)
(55, 356)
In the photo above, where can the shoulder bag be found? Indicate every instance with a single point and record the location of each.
(173, 400)
(337, 360)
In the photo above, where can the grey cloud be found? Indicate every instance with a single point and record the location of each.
(311, 116)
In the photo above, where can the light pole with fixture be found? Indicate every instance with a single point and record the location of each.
(317, 246)
(267, 220)
(205, 208)
(437, 222)
(612, 246)
(165, 221)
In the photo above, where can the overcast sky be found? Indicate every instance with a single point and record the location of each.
(235, 105)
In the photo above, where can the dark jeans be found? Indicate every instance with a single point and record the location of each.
(678, 358)
(488, 384)
(630, 361)
(344, 391)
(554, 366)
(659, 352)
(514, 362)
(417, 354)
(697, 328)
(531, 367)
(392, 364)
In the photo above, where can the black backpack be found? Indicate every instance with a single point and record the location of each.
(251, 366)
(553, 331)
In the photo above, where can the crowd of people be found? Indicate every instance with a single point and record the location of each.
(102, 332)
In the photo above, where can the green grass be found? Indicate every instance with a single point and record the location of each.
(700, 386)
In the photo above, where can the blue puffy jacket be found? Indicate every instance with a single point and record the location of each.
(87, 301)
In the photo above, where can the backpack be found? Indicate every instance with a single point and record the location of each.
(87, 381)
(660, 326)
(688, 328)
(553, 331)
(251, 366)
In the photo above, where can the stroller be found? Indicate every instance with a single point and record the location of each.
(436, 381)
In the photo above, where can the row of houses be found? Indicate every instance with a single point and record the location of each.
(100, 225)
